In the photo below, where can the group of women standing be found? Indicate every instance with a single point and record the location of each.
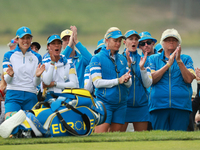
(120, 80)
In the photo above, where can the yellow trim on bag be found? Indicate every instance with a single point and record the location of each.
(26, 124)
(38, 111)
(80, 92)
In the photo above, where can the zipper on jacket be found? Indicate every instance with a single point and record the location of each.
(119, 90)
(134, 91)
(134, 62)
(23, 58)
(170, 87)
(117, 77)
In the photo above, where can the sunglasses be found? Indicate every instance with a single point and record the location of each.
(143, 43)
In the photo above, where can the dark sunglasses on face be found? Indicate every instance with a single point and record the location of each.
(143, 43)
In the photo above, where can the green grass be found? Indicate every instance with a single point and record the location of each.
(154, 140)
(109, 137)
(92, 18)
(144, 145)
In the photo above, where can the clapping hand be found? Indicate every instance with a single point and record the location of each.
(10, 71)
(142, 61)
(128, 57)
(40, 69)
(197, 71)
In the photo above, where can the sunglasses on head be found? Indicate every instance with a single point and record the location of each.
(143, 43)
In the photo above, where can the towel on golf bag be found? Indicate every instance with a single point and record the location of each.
(72, 112)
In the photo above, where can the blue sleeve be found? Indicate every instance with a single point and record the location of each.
(189, 63)
(152, 63)
(84, 52)
(6, 59)
(67, 51)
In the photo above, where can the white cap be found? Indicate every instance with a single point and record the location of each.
(170, 33)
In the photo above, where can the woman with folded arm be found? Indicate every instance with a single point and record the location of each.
(58, 74)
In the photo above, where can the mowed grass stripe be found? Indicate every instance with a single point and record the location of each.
(144, 145)
(109, 137)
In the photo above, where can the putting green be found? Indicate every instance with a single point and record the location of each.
(144, 145)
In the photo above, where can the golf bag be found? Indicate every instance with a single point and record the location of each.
(72, 112)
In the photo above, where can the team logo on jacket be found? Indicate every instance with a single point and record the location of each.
(121, 62)
(30, 59)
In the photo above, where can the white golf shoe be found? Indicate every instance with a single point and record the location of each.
(8, 125)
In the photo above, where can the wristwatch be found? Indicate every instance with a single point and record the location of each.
(55, 84)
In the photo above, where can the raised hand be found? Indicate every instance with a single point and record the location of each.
(171, 57)
(128, 57)
(10, 71)
(74, 30)
(178, 53)
(40, 69)
(142, 61)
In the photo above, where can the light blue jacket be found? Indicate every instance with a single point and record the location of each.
(170, 91)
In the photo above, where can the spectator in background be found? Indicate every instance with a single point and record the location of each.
(13, 43)
(35, 46)
(111, 78)
(146, 44)
(172, 73)
(137, 111)
(194, 116)
(79, 60)
(65, 36)
(158, 48)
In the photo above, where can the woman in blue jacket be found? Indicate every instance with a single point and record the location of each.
(172, 73)
(111, 79)
(137, 106)
(79, 60)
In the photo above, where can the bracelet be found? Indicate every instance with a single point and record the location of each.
(2, 93)
(178, 62)
(52, 62)
(168, 65)
(55, 83)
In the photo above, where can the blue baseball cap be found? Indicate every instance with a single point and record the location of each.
(23, 31)
(100, 44)
(52, 38)
(131, 32)
(145, 36)
(114, 35)
(158, 47)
